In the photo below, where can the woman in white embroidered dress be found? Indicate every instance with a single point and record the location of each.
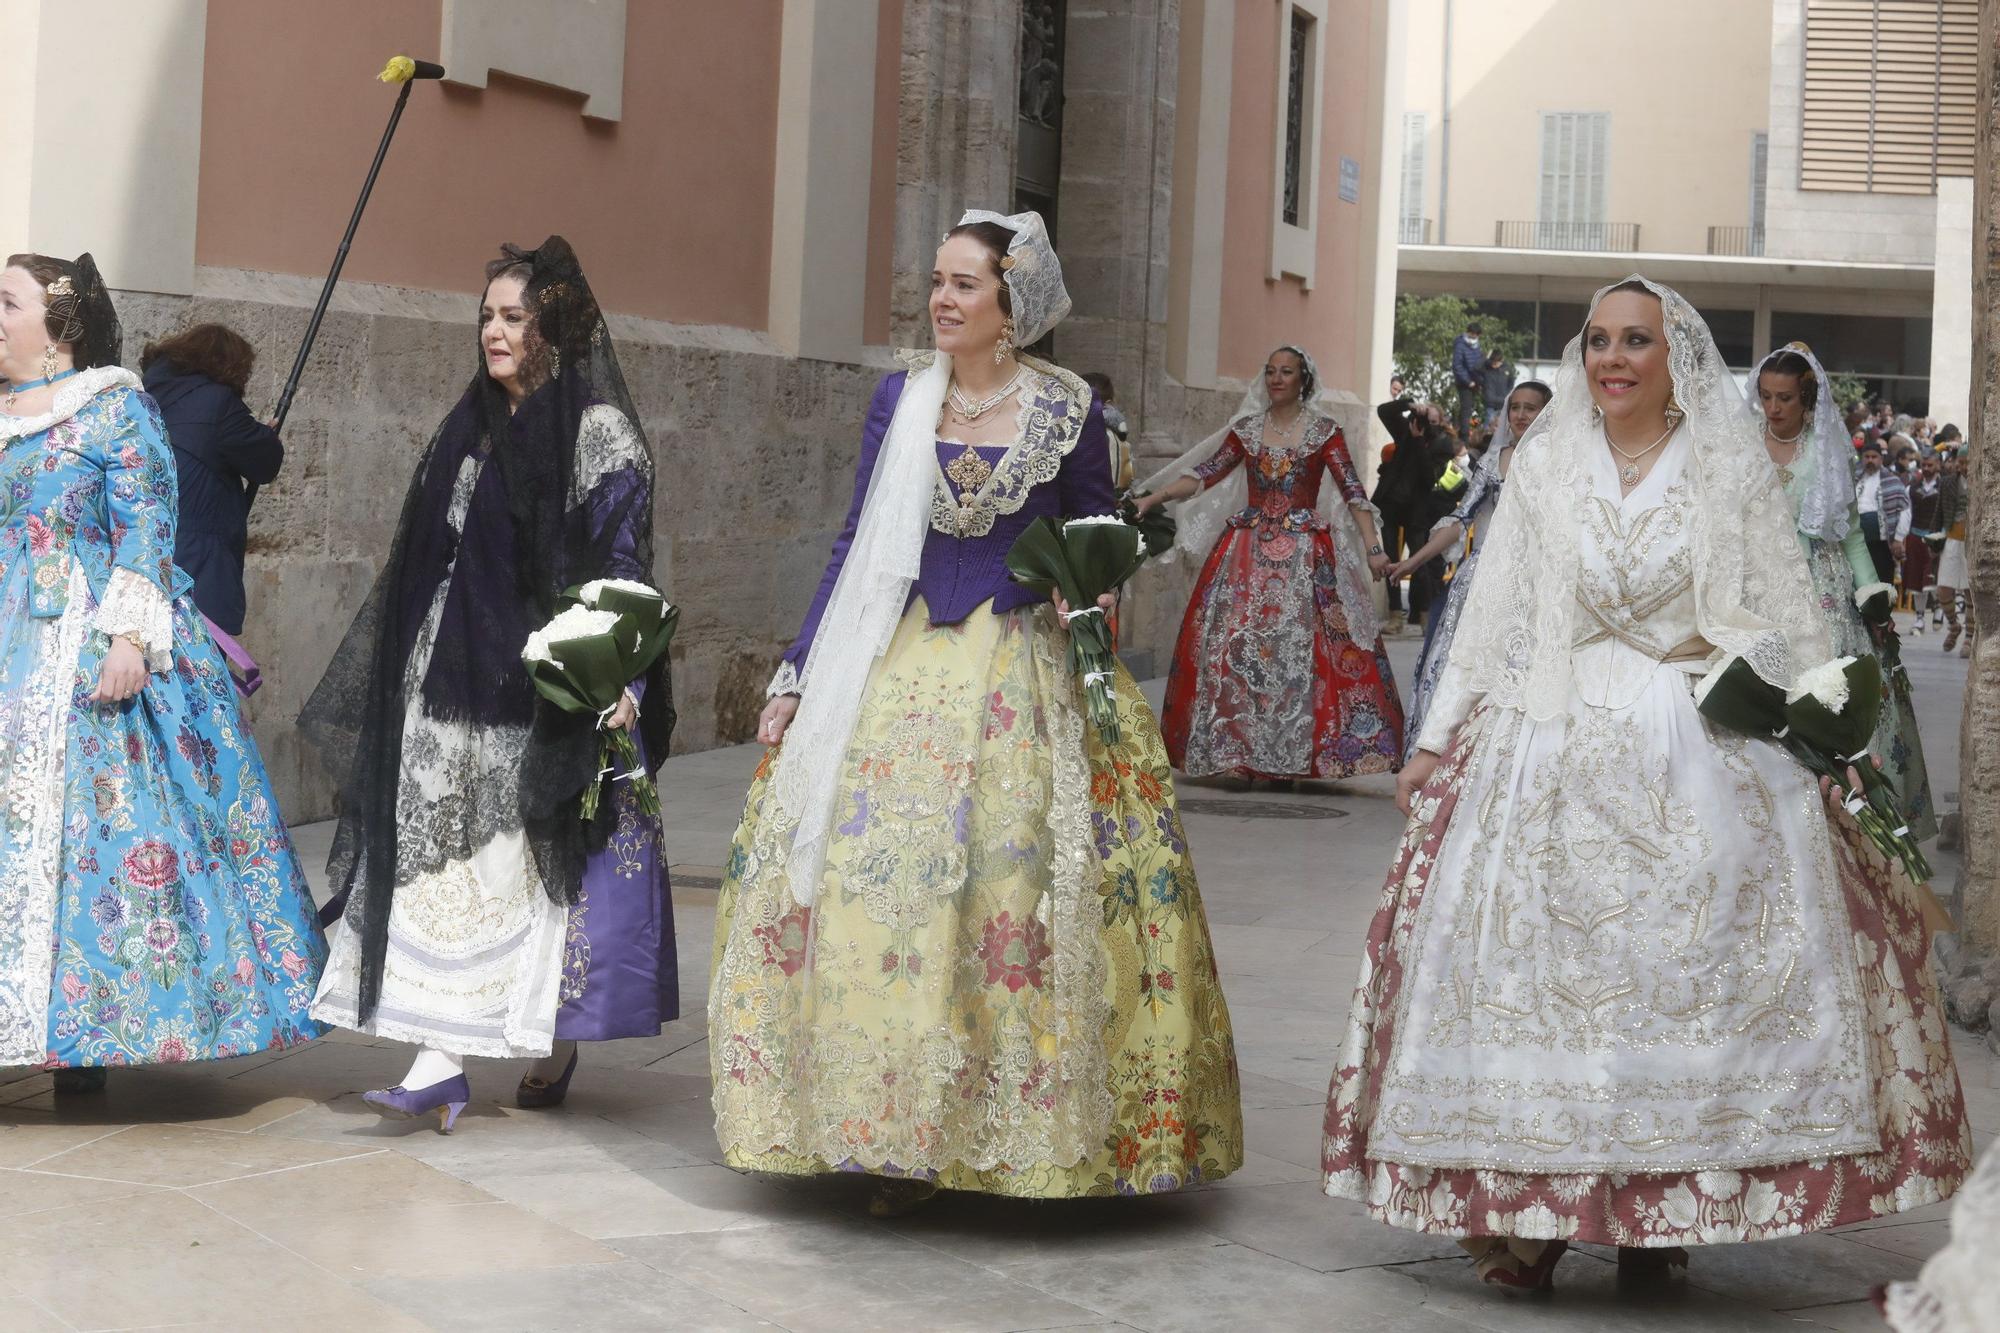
(1631, 982)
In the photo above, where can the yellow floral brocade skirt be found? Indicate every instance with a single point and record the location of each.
(1005, 981)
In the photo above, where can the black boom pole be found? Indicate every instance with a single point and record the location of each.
(400, 70)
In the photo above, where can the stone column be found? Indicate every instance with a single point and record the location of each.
(1975, 954)
(955, 145)
(1120, 68)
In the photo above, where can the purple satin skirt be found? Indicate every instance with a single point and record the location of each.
(620, 977)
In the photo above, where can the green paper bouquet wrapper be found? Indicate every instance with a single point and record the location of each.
(1082, 560)
(609, 633)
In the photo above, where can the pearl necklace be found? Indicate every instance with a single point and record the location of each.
(1628, 476)
(1289, 433)
(1785, 468)
(970, 410)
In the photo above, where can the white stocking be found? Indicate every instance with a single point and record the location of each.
(550, 1067)
(432, 1066)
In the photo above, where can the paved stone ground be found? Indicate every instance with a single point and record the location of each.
(262, 1194)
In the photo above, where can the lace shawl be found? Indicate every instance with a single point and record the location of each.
(859, 621)
(1753, 593)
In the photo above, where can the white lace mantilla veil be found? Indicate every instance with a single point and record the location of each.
(1502, 440)
(1200, 519)
(1829, 494)
(873, 587)
(1753, 595)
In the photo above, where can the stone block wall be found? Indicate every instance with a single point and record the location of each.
(755, 455)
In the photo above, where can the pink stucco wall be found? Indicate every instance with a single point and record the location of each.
(1257, 313)
(669, 207)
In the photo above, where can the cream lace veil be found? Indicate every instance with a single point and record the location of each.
(1753, 596)
(1828, 453)
(1200, 519)
(874, 583)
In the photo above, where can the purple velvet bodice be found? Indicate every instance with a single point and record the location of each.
(1061, 467)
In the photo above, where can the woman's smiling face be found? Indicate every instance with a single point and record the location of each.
(1625, 357)
(966, 288)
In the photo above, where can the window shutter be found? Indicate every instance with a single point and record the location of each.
(1575, 156)
(1412, 208)
(1890, 94)
(1760, 166)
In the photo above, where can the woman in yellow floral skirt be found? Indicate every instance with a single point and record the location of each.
(960, 942)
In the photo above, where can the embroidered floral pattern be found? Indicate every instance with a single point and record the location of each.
(942, 1009)
(151, 908)
(1925, 1148)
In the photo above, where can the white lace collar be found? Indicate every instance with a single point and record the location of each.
(71, 396)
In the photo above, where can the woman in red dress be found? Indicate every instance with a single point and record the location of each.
(1279, 672)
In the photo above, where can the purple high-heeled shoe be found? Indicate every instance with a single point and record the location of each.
(535, 1095)
(447, 1097)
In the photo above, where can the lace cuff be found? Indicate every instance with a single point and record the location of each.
(785, 682)
(133, 604)
(1450, 705)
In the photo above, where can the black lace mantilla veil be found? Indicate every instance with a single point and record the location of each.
(89, 320)
(564, 495)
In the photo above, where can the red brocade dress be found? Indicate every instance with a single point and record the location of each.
(1267, 681)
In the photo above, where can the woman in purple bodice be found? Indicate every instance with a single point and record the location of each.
(960, 943)
(479, 914)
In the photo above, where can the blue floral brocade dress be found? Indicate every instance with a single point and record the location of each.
(151, 908)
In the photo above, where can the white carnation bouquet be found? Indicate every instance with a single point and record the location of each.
(609, 633)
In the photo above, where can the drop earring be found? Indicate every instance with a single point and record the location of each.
(49, 366)
(1003, 348)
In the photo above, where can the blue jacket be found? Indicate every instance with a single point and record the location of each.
(1468, 364)
(221, 454)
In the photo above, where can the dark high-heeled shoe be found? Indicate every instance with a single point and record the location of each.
(446, 1097)
(536, 1094)
(88, 1079)
(896, 1196)
(1641, 1264)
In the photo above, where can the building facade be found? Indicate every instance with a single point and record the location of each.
(756, 190)
(1799, 169)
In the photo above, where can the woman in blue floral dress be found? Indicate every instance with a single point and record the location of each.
(151, 908)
